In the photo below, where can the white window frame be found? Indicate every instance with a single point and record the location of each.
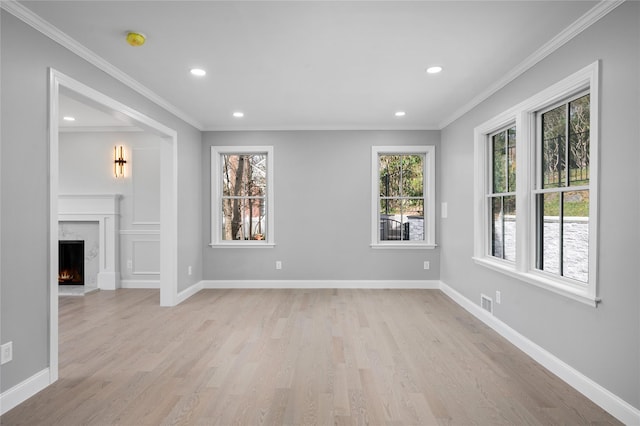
(216, 196)
(429, 191)
(489, 188)
(525, 115)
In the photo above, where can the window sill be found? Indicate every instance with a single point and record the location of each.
(540, 280)
(242, 245)
(396, 246)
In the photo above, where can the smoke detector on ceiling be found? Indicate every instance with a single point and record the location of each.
(135, 39)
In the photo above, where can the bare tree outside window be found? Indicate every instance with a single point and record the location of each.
(563, 201)
(244, 189)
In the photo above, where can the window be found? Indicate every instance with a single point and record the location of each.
(502, 198)
(403, 205)
(562, 189)
(241, 196)
(544, 167)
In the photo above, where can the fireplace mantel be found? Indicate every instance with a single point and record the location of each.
(104, 209)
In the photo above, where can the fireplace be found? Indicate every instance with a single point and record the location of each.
(71, 262)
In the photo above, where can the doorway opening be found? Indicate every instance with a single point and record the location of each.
(59, 82)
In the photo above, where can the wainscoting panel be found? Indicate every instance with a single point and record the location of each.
(146, 257)
(140, 258)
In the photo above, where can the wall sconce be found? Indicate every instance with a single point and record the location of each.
(118, 162)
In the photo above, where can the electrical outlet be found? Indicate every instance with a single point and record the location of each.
(443, 210)
(498, 297)
(189, 271)
(6, 352)
(278, 264)
(426, 264)
(129, 264)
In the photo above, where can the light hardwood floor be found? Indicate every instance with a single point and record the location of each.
(253, 357)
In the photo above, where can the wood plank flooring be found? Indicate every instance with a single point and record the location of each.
(253, 357)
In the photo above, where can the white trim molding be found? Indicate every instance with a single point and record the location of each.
(168, 203)
(604, 398)
(216, 196)
(596, 13)
(153, 284)
(30, 18)
(24, 390)
(428, 196)
(188, 292)
(525, 116)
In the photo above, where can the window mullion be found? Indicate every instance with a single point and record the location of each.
(561, 234)
(525, 159)
(566, 144)
(506, 159)
(502, 230)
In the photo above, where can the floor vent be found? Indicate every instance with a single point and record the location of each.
(486, 303)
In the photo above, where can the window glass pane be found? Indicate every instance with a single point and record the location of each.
(256, 175)
(413, 229)
(244, 174)
(389, 166)
(404, 220)
(511, 159)
(233, 170)
(549, 232)
(579, 141)
(509, 218)
(390, 219)
(497, 238)
(575, 239)
(412, 179)
(553, 147)
(499, 161)
(390, 206)
(243, 219)
(401, 203)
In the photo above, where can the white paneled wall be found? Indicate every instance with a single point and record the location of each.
(140, 237)
(86, 167)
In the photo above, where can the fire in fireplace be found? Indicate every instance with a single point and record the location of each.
(71, 262)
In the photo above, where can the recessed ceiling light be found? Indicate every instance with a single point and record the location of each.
(434, 70)
(68, 118)
(400, 114)
(238, 114)
(199, 72)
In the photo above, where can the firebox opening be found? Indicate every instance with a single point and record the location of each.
(71, 262)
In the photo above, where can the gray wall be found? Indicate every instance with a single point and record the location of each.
(602, 343)
(26, 56)
(322, 194)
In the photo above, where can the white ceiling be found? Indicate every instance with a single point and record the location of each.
(87, 117)
(315, 64)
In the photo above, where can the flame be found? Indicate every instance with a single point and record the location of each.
(66, 275)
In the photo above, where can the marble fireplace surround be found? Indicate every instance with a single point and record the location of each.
(104, 209)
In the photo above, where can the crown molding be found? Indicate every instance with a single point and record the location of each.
(99, 129)
(585, 21)
(30, 18)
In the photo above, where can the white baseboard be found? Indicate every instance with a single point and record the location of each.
(188, 292)
(24, 390)
(350, 284)
(140, 283)
(613, 404)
